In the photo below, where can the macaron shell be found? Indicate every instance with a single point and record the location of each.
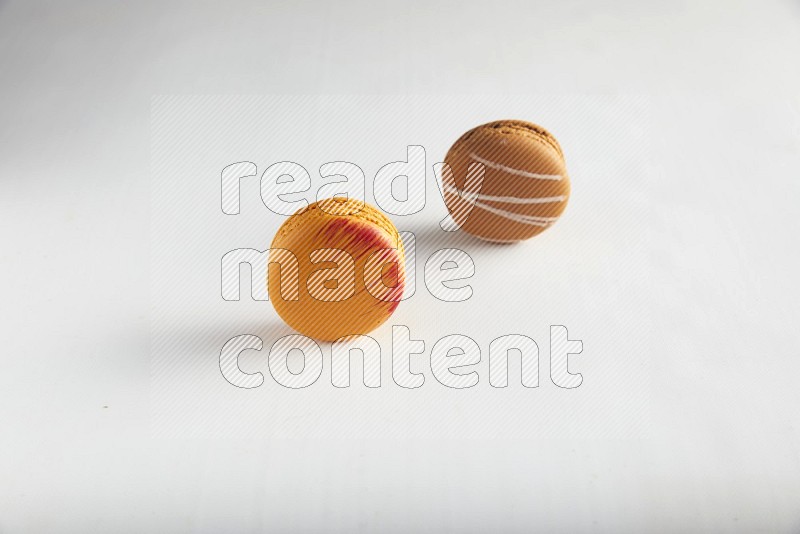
(525, 188)
(360, 234)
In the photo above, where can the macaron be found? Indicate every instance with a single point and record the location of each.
(350, 267)
(525, 185)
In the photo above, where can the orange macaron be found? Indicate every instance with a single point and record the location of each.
(525, 185)
(341, 269)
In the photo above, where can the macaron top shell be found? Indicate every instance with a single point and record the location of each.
(339, 207)
(513, 129)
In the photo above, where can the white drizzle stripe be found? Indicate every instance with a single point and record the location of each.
(512, 170)
(517, 217)
(507, 200)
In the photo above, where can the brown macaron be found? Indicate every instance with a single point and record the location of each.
(525, 185)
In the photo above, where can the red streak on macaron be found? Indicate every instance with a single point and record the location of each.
(356, 235)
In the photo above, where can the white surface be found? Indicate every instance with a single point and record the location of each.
(722, 451)
(590, 272)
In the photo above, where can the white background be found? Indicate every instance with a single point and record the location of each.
(77, 451)
(590, 273)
